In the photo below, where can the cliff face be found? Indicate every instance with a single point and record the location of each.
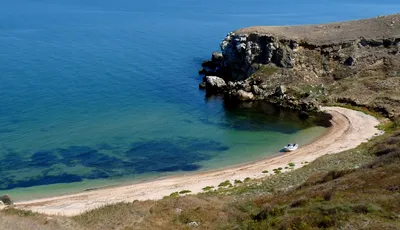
(353, 62)
(244, 53)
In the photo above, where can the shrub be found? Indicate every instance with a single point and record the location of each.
(384, 151)
(208, 188)
(366, 208)
(328, 195)
(174, 194)
(247, 179)
(269, 211)
(185, 191)
(238, 182)
(291, 164)
(265, 171)
(385, 160)
(333, 175)
(6, 199)
(326, 222)
(225, 184)
(395, 140)
(299, 202)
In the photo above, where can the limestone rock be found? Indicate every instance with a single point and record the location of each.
(280, 91)
(217, 56)
(245, 96)
(283, 58)
(215, 83)
(202, 85)
(256, 90)
(6, 199)
(193, 224)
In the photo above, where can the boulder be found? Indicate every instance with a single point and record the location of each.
(245, 96)
(6, 199)
(217, 56)
(280, 91)
(202, 85)
(256, 90)
(215, 83)
(202, 71)
(208, 64)
(350, 61)
(193, 224)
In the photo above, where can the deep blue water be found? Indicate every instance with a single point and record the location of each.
(105, 89)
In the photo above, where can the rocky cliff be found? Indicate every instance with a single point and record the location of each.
(302, 67)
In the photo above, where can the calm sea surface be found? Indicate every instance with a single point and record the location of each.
(96, 93)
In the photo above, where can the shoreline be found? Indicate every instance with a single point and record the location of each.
(349, 129)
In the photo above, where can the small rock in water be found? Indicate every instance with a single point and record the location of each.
(202, 71)
(202, 85)
(215, 83)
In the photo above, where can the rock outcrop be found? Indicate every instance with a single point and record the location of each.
(215, 84)
(314, 64)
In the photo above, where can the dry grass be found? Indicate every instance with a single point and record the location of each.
(13, 219)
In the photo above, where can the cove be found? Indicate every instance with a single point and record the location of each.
(100, 93)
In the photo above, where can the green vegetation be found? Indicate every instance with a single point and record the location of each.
(291, 164)
(185, 191)
(265, 171)
(277, 171)
(174, 194)
(265, 71)
(225, 184)
(208, 188)
(247, 179)
(18, 212)
(238, 182)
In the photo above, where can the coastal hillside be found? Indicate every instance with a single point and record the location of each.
(302, 67)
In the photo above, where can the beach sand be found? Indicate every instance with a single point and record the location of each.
(349, 129)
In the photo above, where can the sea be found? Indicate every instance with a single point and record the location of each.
(97, 93)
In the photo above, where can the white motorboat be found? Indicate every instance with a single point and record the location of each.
(291, 147)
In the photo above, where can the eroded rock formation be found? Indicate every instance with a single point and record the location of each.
(354, 62)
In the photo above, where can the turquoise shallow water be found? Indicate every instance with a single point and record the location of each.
(97, 93)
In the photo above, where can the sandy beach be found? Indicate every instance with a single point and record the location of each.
(349, 129)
